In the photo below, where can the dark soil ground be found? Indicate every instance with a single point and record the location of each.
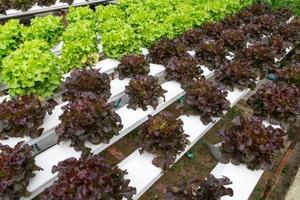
(198, 162)
(284, 181)
(198, 166)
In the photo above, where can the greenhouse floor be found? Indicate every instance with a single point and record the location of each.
(199, 157)
(285, 188)
(293, 193)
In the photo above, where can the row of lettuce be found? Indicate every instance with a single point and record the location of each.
(28, 66)
(88, 116)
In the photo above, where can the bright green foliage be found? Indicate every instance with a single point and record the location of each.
(244, 3)
(140, 16)
(112, 25)
(236, 5)
(10, 38)
(80, 46)
(216, 9)
(147, 28)
(110, 12)
(161, 9)
(124, 27)
(79, 30)
(292, 4)
(151, 31)
(32, 69)
(47, 28)
(80, 13)
(194, 9)
(120, 41)
(231, 6)
(181, 20)
(124, 4)
(78, 54)
(130, 24)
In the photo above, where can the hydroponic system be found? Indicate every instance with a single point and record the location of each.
(78, 78)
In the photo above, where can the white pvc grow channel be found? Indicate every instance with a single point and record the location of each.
(143, 174)
(130, 120)
(57, 6)
(117, 91)
(243, 179)
(106, 66)
(51, 121)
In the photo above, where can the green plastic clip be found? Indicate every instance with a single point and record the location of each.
(181, 99)
(190, 155)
